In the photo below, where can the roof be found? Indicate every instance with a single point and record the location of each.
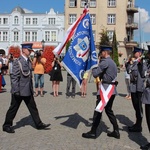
(19, 9)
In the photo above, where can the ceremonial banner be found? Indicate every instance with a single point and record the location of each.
(81, 55)
(105, 96)
(69, 34)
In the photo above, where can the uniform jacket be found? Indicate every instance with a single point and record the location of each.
(21, 78)
(146, 93)
(137, 76)
(107, 71)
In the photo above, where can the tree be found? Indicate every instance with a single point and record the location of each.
(104, 39)
(115, 49)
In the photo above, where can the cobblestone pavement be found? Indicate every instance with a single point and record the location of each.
(68, 118)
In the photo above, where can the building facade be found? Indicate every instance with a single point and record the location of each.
(110, 15)
(22, 27)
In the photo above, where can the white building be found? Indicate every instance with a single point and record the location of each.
(21, 27)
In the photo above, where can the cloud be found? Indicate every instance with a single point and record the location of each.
(27, 11)
(144, 19)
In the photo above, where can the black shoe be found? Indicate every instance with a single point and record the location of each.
(43, 126)
(114, 134)
(145, 147)
(131, 127)
(89, 135)
(8, 129)
(67, 96)
(135, 129)
(73, 97)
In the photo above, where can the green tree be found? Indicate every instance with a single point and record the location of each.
(115, 49)
(104, 39)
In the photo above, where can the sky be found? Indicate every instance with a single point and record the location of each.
(43, 6)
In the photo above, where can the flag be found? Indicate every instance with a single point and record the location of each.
(69, 34)
(105, 96)
(81, 55)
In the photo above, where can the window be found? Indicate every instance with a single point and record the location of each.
(34, 36)
(27, 36)
(82, 3)
(51, 21)
(92, 3)
(16, 36)
(50, 36)
(93, 18)
(34, 21)
(111, 19)
(110, 34)
(72, 18)
(5, 20)
(73, 3)
(47, 35)
(28, 20)
(53, 35)
(111, 3)
(5, 36)
(16, 20)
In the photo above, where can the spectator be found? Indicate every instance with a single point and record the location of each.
(70, 80)
(56, 76)
(38, 65)
(5, 62)
(127, 76)
(84, 84)
(0, 72)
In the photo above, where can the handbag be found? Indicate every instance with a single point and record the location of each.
(51, 72)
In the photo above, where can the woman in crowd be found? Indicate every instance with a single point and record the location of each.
(56, 76)
(38, 65)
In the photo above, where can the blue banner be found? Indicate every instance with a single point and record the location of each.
(81, 55)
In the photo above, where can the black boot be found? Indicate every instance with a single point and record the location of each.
(90, 135)
(145, 147)
(137, 127)
(114, 134)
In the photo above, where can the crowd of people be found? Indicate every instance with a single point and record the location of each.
(137, 73)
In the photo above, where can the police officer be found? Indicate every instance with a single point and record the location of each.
(22, 89)
(137, 77)
(146, 99)
(107, 71)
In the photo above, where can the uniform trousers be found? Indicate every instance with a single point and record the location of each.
(109, 113)
(137, 104)
(147, 113)
(14, 106)
(70, 80)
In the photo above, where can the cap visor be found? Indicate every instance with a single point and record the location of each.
(30, 49)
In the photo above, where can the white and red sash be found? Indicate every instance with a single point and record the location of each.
(105, 96)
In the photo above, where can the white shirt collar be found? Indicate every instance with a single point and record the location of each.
(25, 57)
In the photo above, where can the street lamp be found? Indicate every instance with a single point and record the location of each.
(43, 44)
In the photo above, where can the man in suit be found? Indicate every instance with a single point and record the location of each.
(22, 89)
(146, 99)
(137, 77)
(107, 72)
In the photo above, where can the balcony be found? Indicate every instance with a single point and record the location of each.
(132, 25)
(132, 8)
(130, 44)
